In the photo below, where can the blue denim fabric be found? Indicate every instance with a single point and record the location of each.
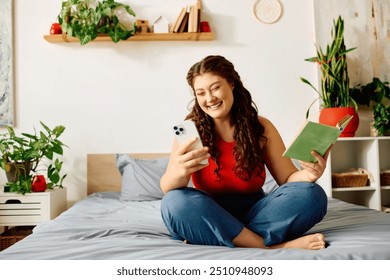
(284, 214)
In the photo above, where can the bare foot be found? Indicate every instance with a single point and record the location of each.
(314, 241)
(249, 239)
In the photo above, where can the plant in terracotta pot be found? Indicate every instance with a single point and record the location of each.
(24, 157)
(86, 19)
(375, 96)
(334, 92)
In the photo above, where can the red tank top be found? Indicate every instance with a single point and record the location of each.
(228, 182)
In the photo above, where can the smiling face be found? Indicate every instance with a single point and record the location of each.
(214, 95)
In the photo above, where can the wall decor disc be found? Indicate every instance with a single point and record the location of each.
(267, 11)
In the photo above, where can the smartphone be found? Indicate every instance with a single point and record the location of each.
(185, 131)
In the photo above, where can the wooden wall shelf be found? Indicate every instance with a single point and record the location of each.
(203, 36)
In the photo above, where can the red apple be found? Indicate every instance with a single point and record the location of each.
(38, 184)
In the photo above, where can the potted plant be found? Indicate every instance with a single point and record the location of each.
(86, 19)
(334, 93)
(25, 156)
(376, 97)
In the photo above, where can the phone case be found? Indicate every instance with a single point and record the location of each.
(185, 131)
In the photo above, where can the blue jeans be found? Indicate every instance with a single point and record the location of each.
(284, 214)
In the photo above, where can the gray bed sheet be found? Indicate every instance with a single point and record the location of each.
(102, 226)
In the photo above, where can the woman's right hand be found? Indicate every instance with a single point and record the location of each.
(182, 163)
(187, 161)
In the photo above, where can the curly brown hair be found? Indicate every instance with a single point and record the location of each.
(248, 131)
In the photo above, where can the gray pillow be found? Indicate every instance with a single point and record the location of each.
(141, 177)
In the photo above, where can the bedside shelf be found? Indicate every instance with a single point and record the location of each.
(31, 208)
(371, 153)
(185, 36)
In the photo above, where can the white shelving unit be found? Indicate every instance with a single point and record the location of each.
(371, 153)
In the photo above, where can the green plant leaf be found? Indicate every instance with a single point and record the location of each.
(85, 39)
(84, 21)
(58, 165)
(308, 110)
(48, 130)
(34, 137)
(54, 177)
(57, 149)
(49, 154)
(307, 82)
(58, 130)
(38, 148)
(334, 82)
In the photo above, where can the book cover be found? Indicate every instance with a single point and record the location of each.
(192, 19)
(184, 24)
(315, 137)
(175, 26)
(172, 27)
(199, 10)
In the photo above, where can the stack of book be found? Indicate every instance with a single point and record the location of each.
(188, 19)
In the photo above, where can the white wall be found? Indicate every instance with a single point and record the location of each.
(124, 97)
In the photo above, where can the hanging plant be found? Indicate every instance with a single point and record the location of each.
(86, 19)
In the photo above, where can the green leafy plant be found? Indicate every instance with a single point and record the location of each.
(381, 115)
(376, 96)
(30, 154)
(334, 82)
(86, 19)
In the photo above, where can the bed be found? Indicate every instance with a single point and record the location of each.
(120, 220)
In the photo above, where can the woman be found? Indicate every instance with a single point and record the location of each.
(228, 206)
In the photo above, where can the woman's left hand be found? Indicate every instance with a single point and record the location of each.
(315, 170)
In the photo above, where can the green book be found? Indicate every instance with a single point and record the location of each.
(315, 137)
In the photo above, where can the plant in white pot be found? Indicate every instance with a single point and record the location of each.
(26, 156)
(334, 93)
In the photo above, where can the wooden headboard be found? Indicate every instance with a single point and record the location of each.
(103, 175)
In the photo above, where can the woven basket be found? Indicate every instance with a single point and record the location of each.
(385, 178)
(13, 235)
(352, 178)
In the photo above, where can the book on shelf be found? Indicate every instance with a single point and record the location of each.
(315, 137)
(194, 20)
(174, 23)
(184, 23)
(199, 11)
(191, 18)
(188, 19)
(175, 26)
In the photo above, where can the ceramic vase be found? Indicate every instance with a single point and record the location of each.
(331, 116)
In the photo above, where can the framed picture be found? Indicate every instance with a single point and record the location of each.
(6, 64)
(267, 11)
